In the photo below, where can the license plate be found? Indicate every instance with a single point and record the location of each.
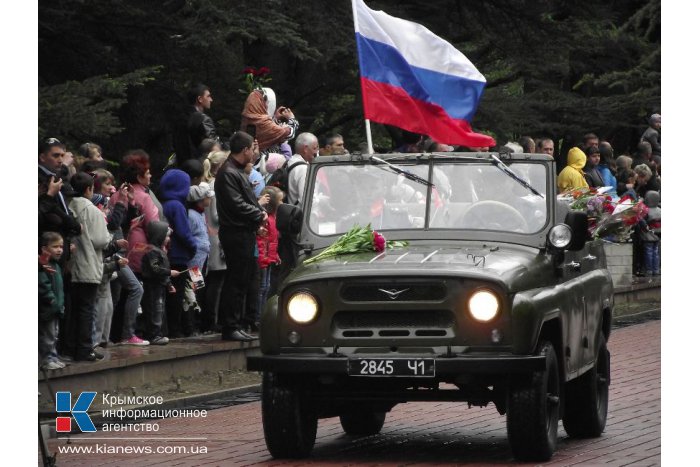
(406, 367)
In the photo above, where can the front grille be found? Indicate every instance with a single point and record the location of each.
(403, 319)
(401, 292)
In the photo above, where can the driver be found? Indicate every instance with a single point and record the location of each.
(501, 203)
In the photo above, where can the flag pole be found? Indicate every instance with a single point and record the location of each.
(370, 148)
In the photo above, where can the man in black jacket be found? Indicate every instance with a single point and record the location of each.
(200, 126)
(593, 176)
(240, 217)
(53, 206)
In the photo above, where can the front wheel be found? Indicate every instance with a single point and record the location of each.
(533, 411)
(362, 422)
(586, 403)
(289, 417)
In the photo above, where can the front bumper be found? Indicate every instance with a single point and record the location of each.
(339, 365)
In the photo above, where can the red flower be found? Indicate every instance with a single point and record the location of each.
(379, 242)
(263, 70)
(629, 220)
(248, 71)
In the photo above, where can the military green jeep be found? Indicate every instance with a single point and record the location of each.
(499, 297)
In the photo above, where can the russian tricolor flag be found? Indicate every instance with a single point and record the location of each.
(415, 80)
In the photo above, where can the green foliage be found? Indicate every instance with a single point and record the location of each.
(553, 68)
(86, 110)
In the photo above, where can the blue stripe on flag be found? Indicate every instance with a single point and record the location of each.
(383, 63)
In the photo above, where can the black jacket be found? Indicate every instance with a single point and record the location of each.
(236, 203)
(52, 218)
(155, 267)
(593, 176)
(199, 127)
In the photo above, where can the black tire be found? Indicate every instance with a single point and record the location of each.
(533, 411)
(362, 422)
(289, 418)
(586, 402)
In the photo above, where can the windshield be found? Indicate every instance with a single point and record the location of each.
(463, 195)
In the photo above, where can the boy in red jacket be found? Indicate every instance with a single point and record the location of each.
(267, 248)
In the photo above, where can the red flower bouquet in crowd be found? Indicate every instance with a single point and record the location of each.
(254, 78)
(357, 240)
(609, 219)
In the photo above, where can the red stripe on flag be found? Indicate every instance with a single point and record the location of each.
(392, 105)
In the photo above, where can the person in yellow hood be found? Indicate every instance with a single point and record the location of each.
(572, 175)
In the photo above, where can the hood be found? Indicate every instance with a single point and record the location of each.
(174, 185)
(576, 158)
(513, 266)
(271, 101)
(652, 199)
(156, 232)
(98, 199)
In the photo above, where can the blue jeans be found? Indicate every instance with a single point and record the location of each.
(264, 289)
(48, 335)
(127, 281)
(153, 309)
(652, 262)
(105, 309)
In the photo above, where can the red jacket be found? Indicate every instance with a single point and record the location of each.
(267, 245)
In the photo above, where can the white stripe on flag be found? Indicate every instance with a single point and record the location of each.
(420, 47)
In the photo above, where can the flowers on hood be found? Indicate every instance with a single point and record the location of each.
(608, 219)
(379, 242)
(357, 240)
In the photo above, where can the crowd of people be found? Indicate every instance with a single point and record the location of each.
(630, 179)
(121, 263)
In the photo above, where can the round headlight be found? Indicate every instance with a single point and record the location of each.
(560, 236)
(302, 307)
(483, 305)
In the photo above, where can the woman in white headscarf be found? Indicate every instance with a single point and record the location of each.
(273, 126)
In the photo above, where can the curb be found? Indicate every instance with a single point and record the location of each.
(187, 401)
(625, 319)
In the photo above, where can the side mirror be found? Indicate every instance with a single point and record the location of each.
(289, 219)
(578, 221)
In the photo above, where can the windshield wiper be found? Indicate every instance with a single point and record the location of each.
(498, 163)
(401, 171)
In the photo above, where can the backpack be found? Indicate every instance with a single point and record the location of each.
(280, 177)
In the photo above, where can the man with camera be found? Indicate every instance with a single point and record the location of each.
(53, 207)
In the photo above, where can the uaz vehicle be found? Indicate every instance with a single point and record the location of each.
(498, 297)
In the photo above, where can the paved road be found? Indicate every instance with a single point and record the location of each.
(422, 434)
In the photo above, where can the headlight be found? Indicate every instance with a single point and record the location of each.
(483, 305)
(302, 307)
(560, 236)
